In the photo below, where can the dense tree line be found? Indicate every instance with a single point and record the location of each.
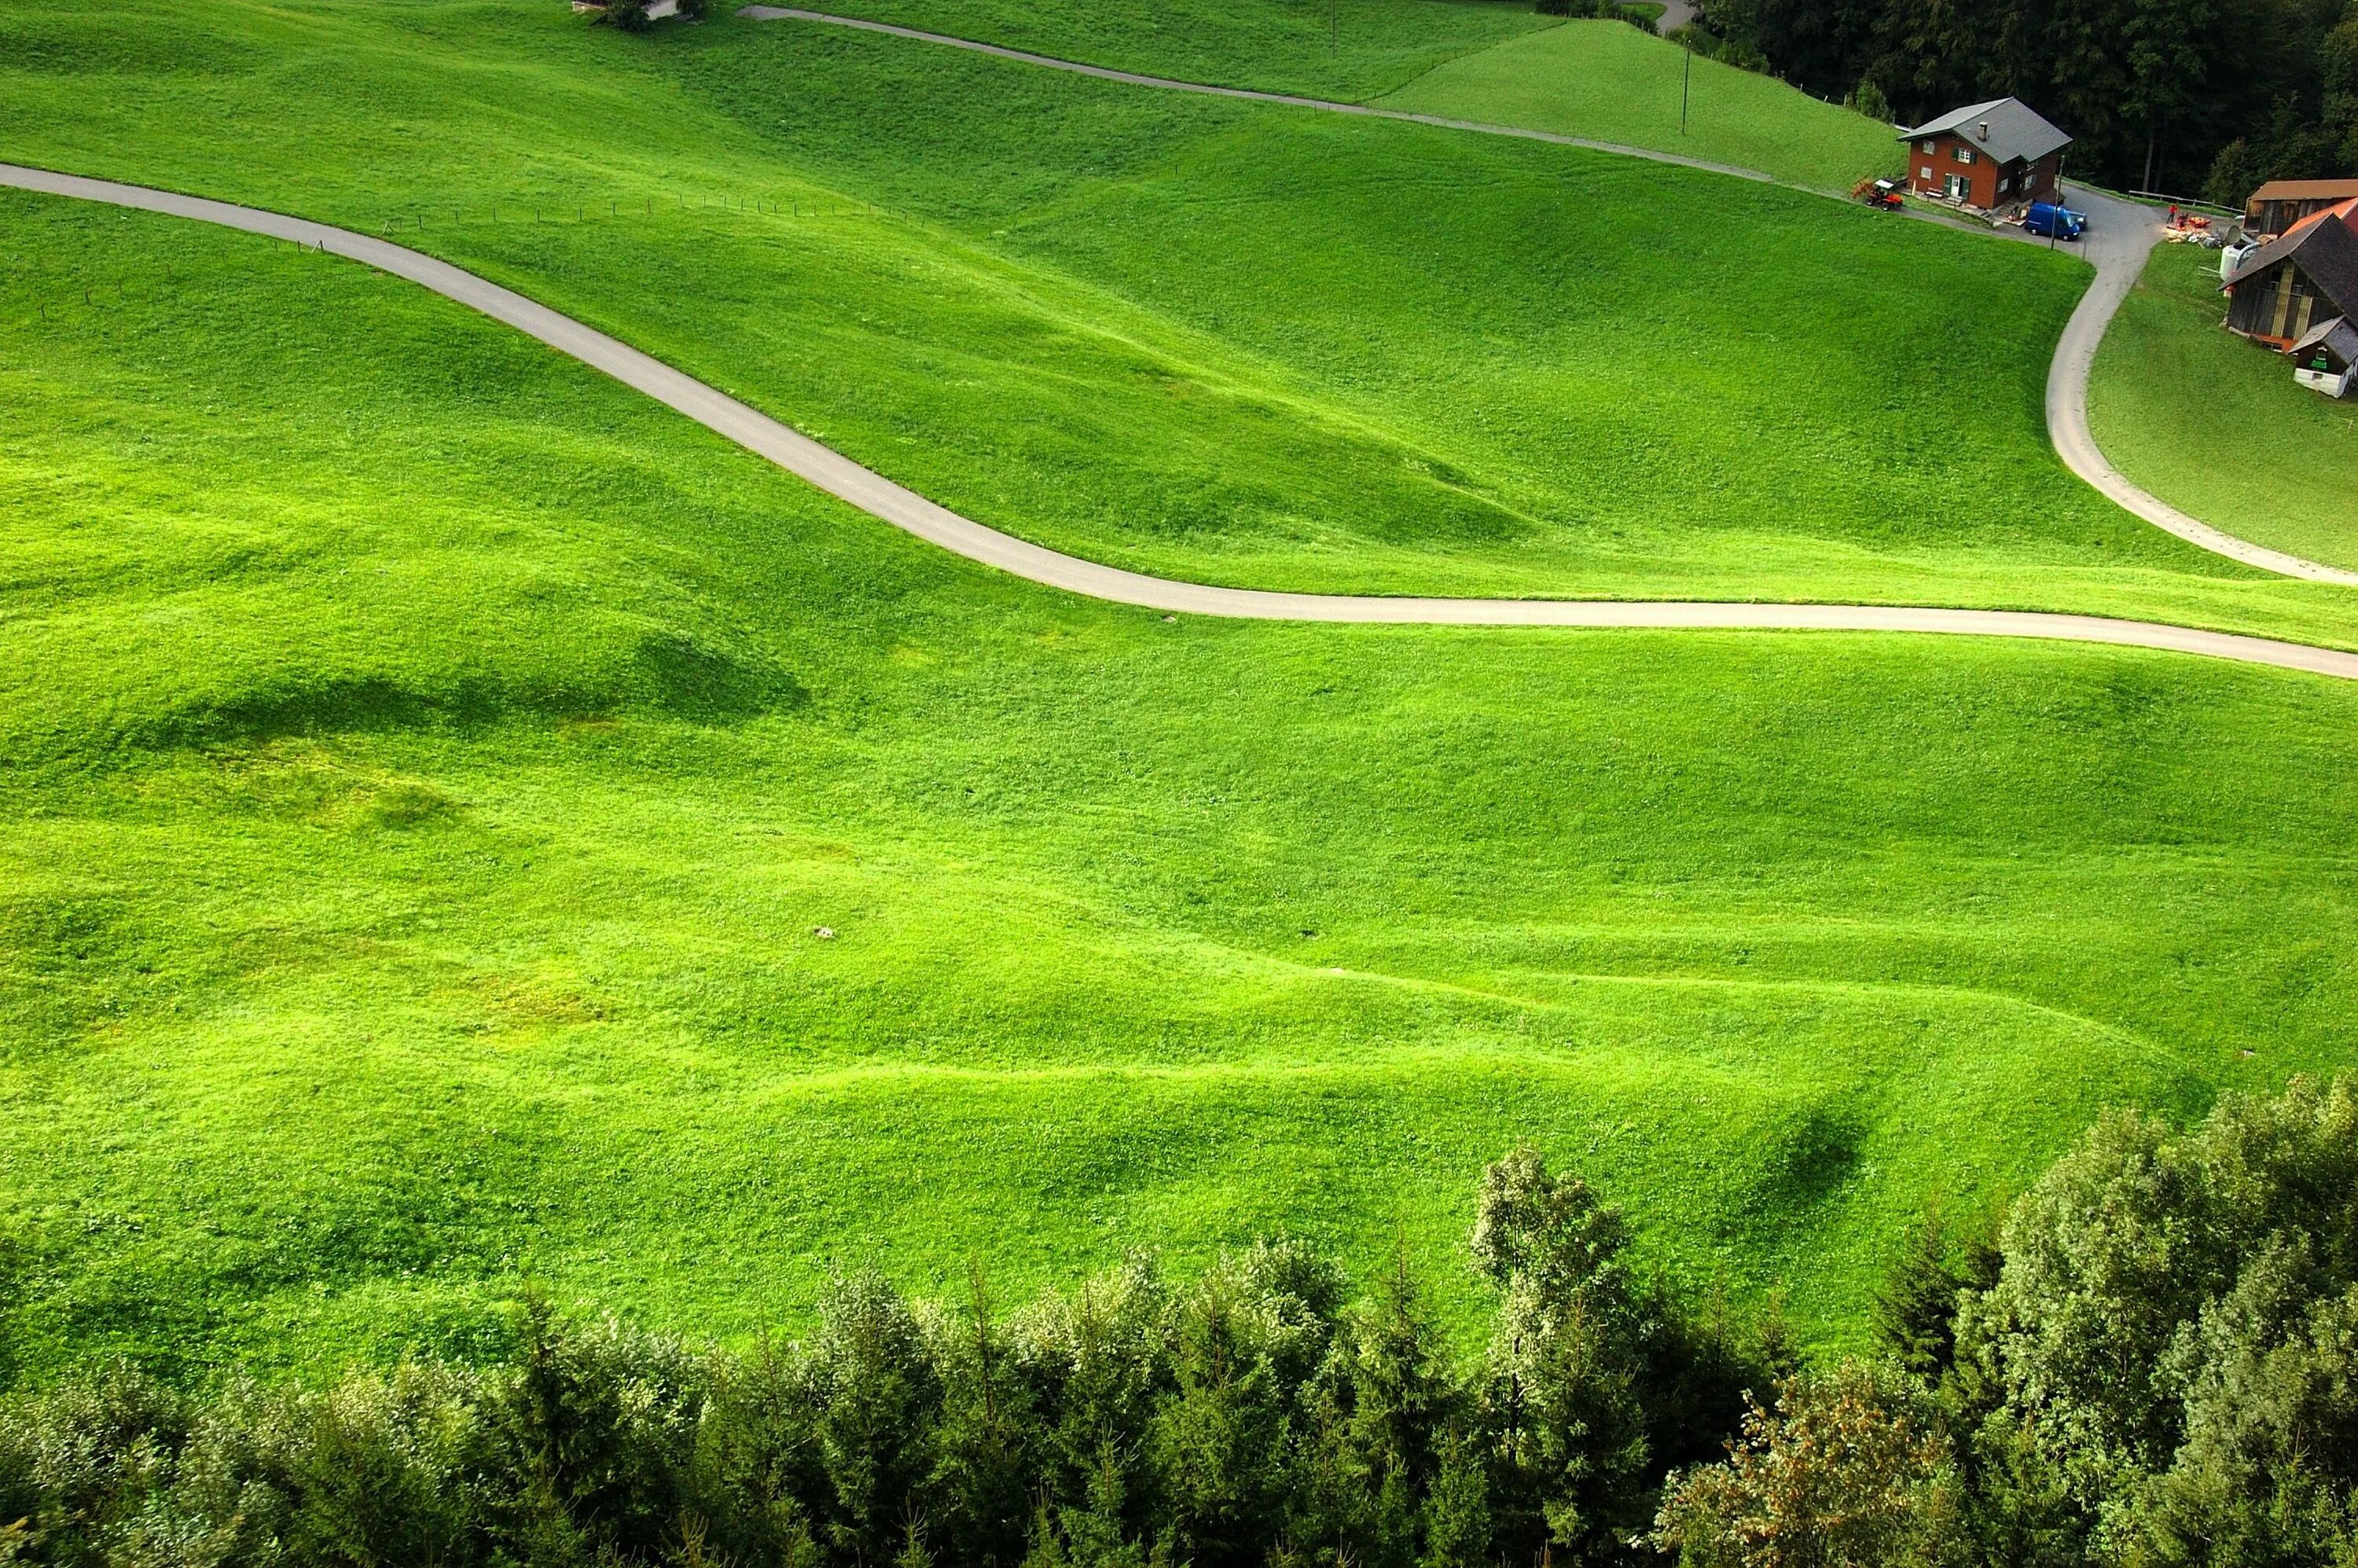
(2176, 95)
(2155, 1362)
(1600, 10)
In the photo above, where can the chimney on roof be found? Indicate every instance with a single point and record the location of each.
(1986, 130)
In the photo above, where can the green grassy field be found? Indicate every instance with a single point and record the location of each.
(1225, 342)
(1608, 82)
(2216, 425)
(425, 767)
(1351, 49)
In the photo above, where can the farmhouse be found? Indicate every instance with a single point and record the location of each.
(2280, 203)
(1986, 155)
(2300, 279)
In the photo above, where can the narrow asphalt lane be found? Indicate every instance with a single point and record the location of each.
(2121, 235)
(904, 509)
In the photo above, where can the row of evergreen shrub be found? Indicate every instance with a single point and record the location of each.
(2156, 1361)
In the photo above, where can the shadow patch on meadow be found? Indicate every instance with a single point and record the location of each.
(1802, 1162)
(689, 680)
(669, 672)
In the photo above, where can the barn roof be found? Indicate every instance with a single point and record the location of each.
(2005, 128)
(2306, 190)
(2327, 254)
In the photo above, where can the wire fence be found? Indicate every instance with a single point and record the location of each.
(2193, 203)
(53, 305)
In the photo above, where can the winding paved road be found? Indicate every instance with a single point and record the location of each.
(2121, 235)
(904, 509)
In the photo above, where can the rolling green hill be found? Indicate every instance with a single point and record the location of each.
(460, 824)
(427, 771)
(2216, 425)
(1608, 82)
(1351, 49)
(1229, 342)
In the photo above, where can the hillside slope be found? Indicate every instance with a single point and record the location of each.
(1608, 82)
(427, 774)
(1349, 50)
(1229, 342)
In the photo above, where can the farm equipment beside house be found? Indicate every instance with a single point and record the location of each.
(1882, 193)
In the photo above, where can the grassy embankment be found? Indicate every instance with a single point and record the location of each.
(1218, 340)
(1608, 82)
(1492, 63)
(425, 767)
(2216, 425)
(1348, 50)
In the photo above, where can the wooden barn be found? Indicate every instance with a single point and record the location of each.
(2280, 203)
(2297, 280)
(1986, 155)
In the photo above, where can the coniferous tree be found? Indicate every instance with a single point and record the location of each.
(1916, 1309)
(876, 1393)
(1094, 1364)
(984, 1455)
(2168, 69)
(760, 1482)
(600, 1423)
(1562, 1398)
(1456, 1514)
(1246, 1343)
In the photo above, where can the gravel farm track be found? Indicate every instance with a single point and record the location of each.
(2122, 235)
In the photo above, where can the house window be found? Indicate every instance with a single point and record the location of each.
(1928, 146)
(1924, 173)
(1965, 155)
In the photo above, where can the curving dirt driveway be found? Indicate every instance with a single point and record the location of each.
(904, 509)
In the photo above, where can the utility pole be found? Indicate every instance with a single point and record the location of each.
(2056, 222)
(1686, 88)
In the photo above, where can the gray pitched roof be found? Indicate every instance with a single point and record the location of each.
(2337, 334)
(2327, 254)
(2015, 130)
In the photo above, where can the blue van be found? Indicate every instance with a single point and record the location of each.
(2049, 222)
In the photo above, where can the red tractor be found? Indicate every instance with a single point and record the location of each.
(1883, 193)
